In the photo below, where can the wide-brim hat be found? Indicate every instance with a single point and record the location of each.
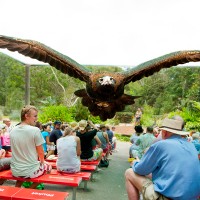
(82, 125)
(173, 126)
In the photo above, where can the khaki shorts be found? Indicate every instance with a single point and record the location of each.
(148, 192)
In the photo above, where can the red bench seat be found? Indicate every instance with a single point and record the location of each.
(7, 192)
(95, 162)
(83, 167)
(73, 182)
(13, 193)
(84, 175)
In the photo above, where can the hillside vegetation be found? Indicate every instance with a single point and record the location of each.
(169, 92)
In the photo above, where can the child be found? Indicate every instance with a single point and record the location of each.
(5, 140)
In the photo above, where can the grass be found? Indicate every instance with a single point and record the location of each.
(122, 138)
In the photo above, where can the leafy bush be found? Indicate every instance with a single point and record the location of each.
(124, 117)
(190, 114)
(148, 118)
(52, 113)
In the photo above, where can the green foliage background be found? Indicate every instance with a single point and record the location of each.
(175, 90)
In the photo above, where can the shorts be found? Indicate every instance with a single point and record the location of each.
(96, 154)
(6, 148)
(51, 147)
(108, 148)
(69, 170)
(43, 168)
(148, 192)
(137, 119)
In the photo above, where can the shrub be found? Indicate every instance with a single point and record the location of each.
(52, 113)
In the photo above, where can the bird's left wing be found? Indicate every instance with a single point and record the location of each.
(39, 51)
(150, 67)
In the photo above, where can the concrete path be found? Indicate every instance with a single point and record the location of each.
(108, 183)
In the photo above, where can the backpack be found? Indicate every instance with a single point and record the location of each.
(104, 162)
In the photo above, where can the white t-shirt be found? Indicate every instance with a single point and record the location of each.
(68, 160)
(24, 139)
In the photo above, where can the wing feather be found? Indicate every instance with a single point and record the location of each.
(41, 52)
(150, 67)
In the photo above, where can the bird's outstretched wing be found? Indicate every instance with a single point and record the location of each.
(150, 67)
(39, 51)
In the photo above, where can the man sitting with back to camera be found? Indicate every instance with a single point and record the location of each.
(174, 165)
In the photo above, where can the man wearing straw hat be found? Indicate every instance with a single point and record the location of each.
(174, 166)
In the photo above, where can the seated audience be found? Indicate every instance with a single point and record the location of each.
(69, 150)
(96, 142)
(4, 162)
(27, 152)
(173, 163)
(133, 151)
(55, 134)
(110, 134)
(196, 141)
(145, 141)
(114, 140)
(86, 141)
(103, 136)
(48, 146)
(8, 124)
(5, 140)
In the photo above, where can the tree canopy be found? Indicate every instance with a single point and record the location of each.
(169, 90)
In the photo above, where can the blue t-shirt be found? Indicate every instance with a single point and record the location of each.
(45, 134)
(175, 168)
(110, 135)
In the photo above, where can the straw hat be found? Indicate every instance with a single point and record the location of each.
(82, 125)
(173, 126)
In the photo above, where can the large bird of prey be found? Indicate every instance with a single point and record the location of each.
(104, 92)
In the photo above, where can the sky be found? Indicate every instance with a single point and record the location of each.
(104, 32)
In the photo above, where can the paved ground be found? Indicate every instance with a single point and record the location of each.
(108, 184)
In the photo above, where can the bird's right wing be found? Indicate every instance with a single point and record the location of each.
(36, 50)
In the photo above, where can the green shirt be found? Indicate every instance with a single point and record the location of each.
(24, 140)
(143, 142)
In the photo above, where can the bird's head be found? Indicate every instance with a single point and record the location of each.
(106, 80)
(105, 86)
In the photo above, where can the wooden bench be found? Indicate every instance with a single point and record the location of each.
(14, 193)
(70, 181)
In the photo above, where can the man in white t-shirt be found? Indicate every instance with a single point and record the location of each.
(27, 151)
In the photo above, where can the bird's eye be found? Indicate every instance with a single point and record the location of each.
(101, 79)
(111, 78)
